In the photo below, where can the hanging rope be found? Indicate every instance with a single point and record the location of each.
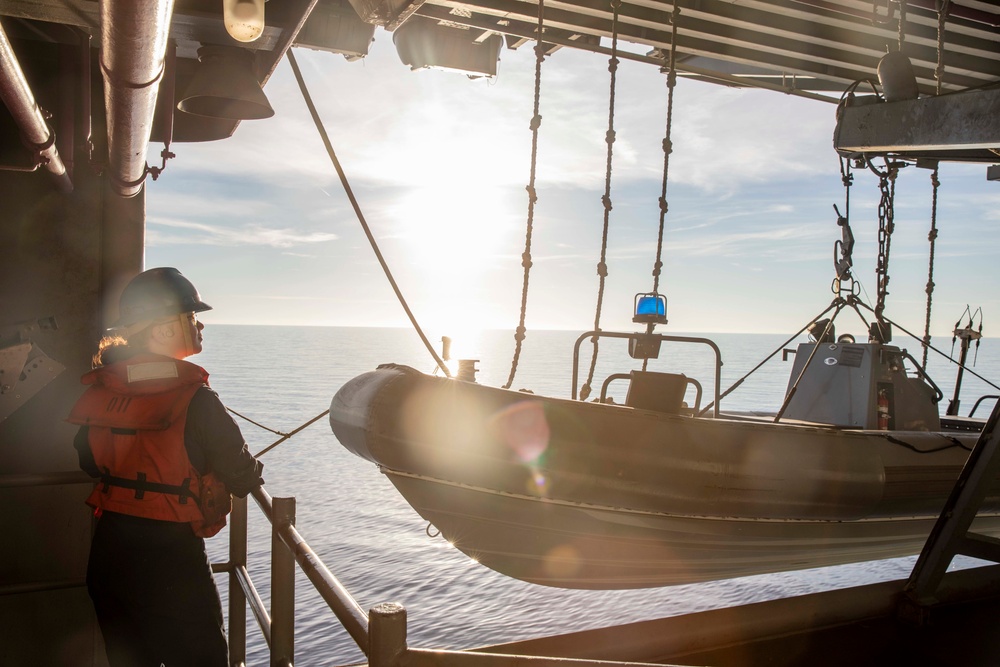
(935, 182)
(357, 210)
(931, 238)
(602, 266)
(668, 146)
(942, 21)
(901, 35)
(536, 121)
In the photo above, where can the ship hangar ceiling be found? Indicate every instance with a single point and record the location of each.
(814, 48)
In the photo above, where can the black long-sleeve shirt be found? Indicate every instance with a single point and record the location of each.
(213, 441)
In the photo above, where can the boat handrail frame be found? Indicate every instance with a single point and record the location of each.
(985, 397)
(662, 337)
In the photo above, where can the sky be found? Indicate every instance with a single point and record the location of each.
(439, 163)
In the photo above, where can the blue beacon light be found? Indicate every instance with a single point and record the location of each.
(650, 308)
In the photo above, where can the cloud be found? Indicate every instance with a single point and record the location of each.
(197, 233)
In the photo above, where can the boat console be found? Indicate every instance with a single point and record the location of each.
(861, 385)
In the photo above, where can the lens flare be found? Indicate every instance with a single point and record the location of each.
(525, 429)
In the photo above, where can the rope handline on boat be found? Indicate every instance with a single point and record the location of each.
(952, 443)
(536, 121)
(357, 210)
(602, 266)
(631, 510)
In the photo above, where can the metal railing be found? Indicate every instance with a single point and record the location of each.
(380, 634)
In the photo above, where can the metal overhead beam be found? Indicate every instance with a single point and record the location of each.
(961, 121)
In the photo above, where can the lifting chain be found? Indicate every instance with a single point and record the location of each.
(536, 121)
(602, 266)
(887, 188)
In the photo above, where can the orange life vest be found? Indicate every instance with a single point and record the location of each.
(136, 411)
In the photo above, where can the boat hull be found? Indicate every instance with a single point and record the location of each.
(583, 495)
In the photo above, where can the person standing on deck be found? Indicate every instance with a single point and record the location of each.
(167, 455)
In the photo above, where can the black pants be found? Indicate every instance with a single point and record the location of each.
(155, 598)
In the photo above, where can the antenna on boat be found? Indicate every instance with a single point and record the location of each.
(966, 334)
(536, 121)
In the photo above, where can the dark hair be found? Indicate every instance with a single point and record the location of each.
(118, 347)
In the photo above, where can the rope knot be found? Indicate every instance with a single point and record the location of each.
(532, 197)
(536, 122)
(610, 137)
(932, 235)
(663, 204)
(602, 269)
(526, 260)
(612, 64)
(606, 200)
(668, 146)
(519, 334)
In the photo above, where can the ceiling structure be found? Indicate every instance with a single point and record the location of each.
(814, 48)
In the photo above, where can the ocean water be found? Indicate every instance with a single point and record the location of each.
(380, 548)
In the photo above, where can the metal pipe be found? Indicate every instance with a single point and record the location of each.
(282, 585)
(237, 598)
(17, 95)
(133, 57)
(348, 611)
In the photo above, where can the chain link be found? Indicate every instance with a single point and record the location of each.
(886, 225)
(602, 266)
(536, 122)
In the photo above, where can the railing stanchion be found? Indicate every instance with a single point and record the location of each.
(237, 599)
(282, 586)
(386, 634)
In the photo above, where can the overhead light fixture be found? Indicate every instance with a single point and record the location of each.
(422, 42)
(225, 86)
(895, 75)
(244, 19)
